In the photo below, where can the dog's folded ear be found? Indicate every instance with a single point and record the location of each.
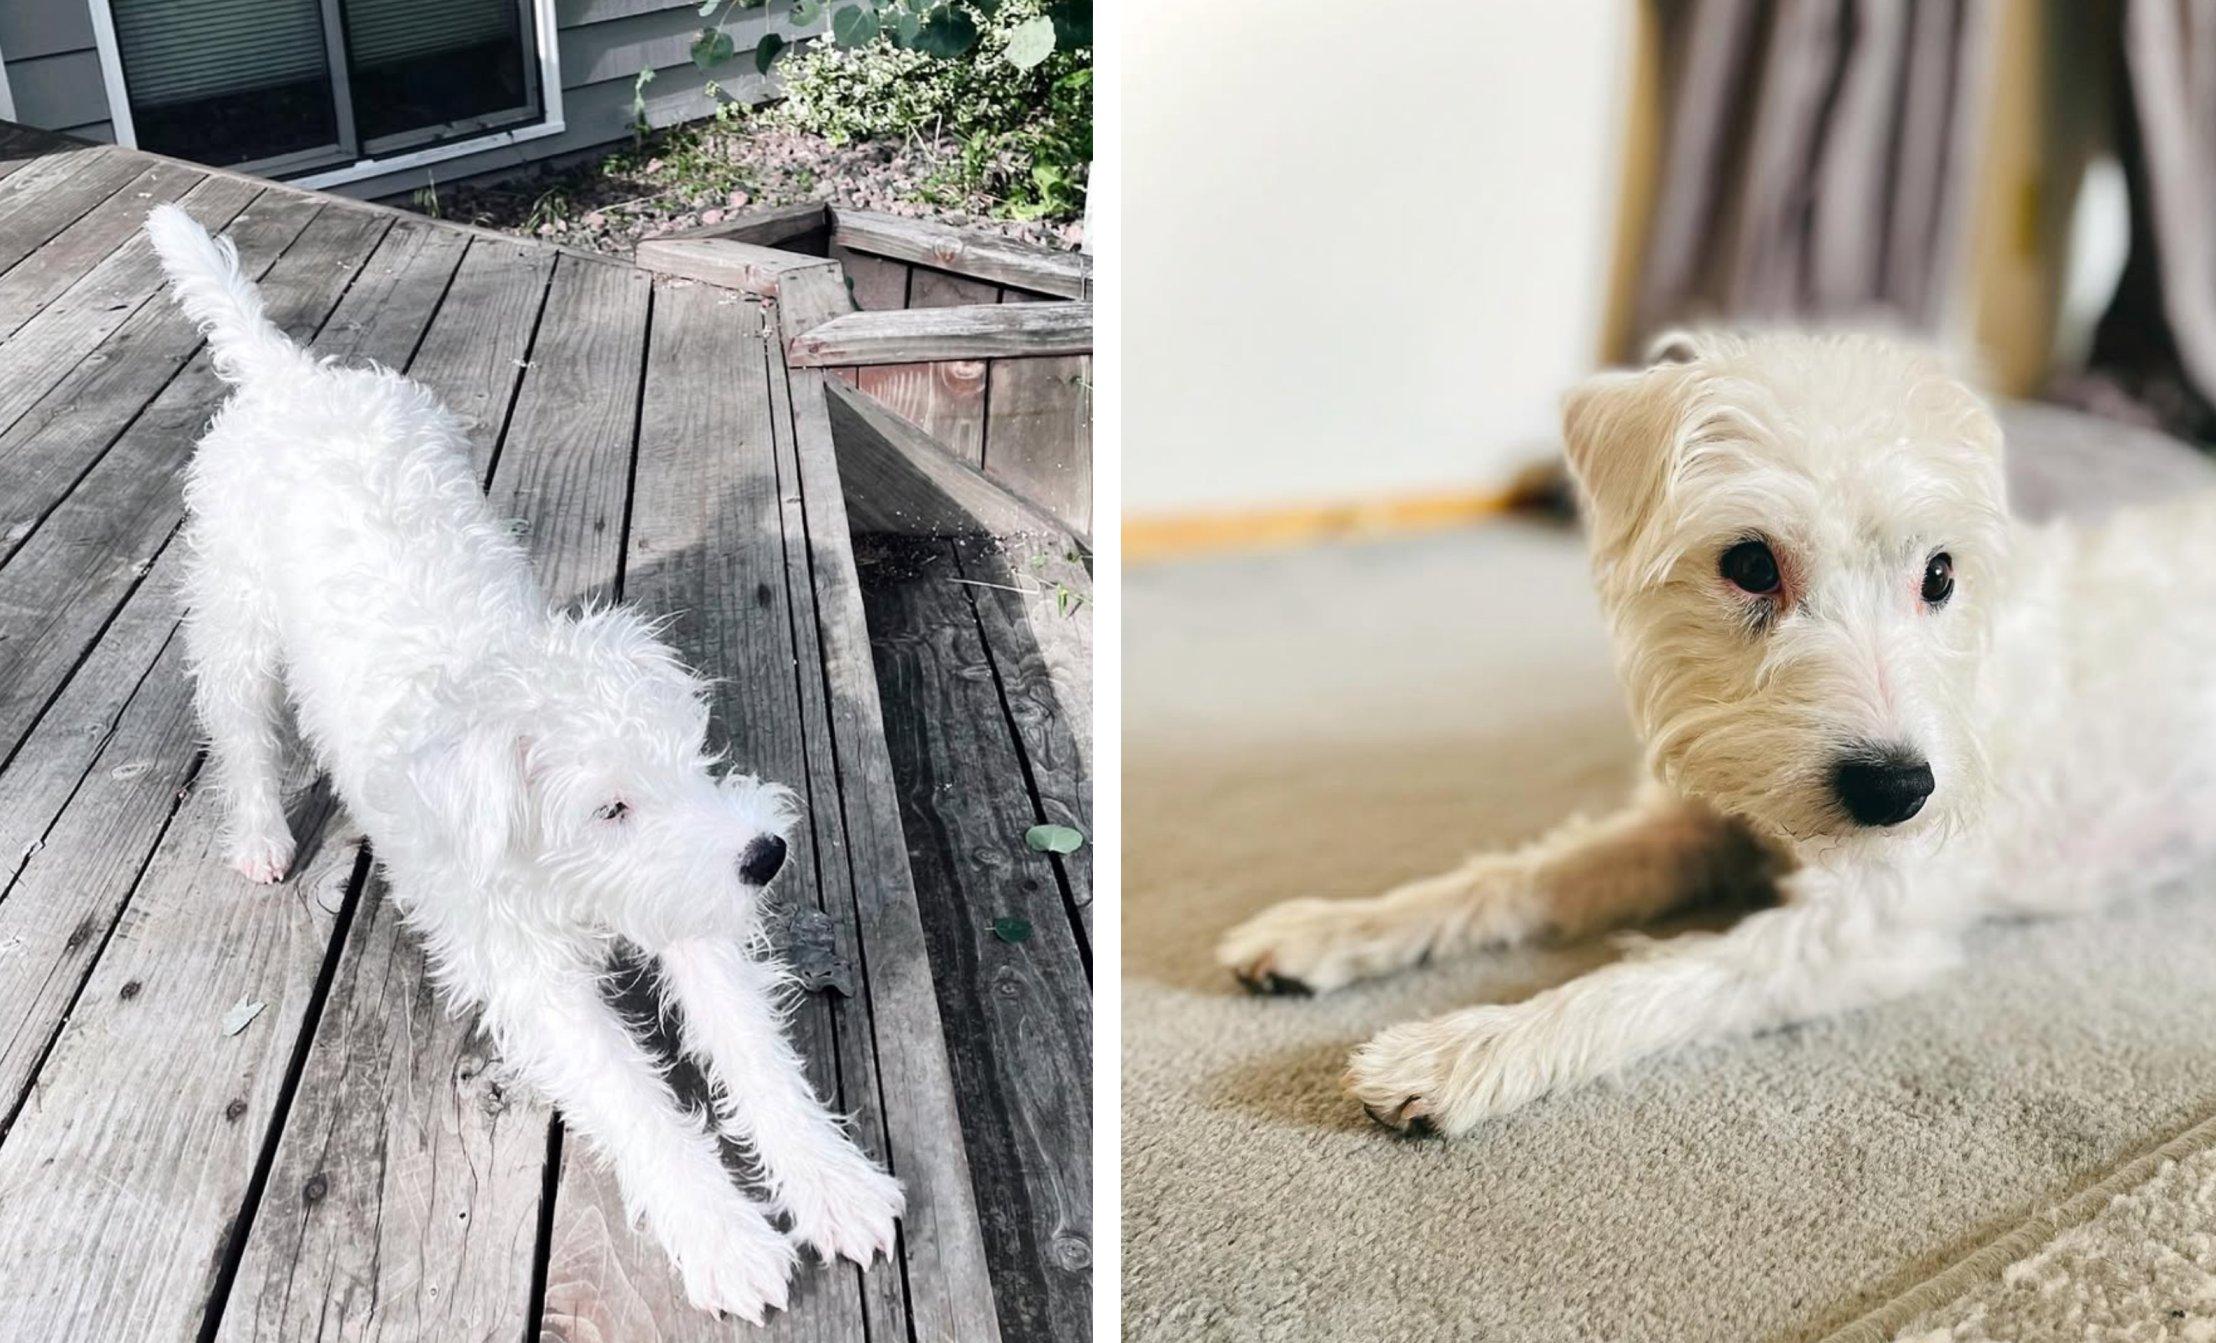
(473, 787)
(1622, 432)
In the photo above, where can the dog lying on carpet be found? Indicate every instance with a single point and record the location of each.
(1863, 689)
(534, 783)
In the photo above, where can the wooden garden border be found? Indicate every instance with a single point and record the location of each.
(982, 344)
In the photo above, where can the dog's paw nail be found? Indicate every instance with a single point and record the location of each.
(1266, 983)
(1406, 1119)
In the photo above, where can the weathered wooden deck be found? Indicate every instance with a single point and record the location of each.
(233, 1112)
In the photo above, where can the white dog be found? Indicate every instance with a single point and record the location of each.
(1861, 686)
(533, 782)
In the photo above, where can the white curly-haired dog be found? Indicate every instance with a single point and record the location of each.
(534, 783)
(1861, 686)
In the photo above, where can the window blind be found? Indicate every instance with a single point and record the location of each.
(384, 32)
(178, 51)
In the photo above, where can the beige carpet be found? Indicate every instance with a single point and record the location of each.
(1332, 721)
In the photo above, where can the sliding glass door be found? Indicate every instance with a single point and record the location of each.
(290, 85)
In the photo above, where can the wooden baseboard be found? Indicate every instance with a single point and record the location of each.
(1183, 535)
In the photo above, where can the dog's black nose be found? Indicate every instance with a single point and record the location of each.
(761, 860)
(1882, 789)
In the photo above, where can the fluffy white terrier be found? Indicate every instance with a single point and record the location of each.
(1862, 687)
(534, 783)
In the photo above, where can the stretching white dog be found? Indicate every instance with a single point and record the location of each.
(1861, 685)
(534, 783)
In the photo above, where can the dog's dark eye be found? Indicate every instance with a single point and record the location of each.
(1938, 579)
(1750, 567)
(614, 811)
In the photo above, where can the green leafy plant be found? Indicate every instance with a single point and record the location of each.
(1008, 82)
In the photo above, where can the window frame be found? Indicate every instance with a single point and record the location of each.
(314, 167)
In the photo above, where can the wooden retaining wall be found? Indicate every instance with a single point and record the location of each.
(1006, 393)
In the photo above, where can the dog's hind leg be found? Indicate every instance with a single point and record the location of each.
(1837, 947)
(1656, 855)
(552, 1024)
(238, 689)
(838, 1199)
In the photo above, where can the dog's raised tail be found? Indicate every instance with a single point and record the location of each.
(219, 298)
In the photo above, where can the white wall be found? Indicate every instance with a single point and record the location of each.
(1365, 246)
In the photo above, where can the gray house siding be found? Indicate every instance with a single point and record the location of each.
(53, 70)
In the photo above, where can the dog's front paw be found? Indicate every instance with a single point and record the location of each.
(1448, 1074)
(844, 1206)
(728, 1255)
(264, 858)
(1312, 946)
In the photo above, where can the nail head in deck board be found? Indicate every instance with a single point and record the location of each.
(71, 328)
(983, 331)
(950, 1290)
(1039, 433)
(429, 1229)
(1044, 658)
(58, 590)
(1023, 1009)
(57, 263)
(986, 256)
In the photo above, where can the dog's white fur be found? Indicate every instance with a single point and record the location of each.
(2063, 697)
(534, 783)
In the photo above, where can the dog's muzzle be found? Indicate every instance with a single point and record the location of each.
(1882, 787)
(761, 860)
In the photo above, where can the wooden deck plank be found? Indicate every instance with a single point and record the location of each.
(979, 331)
(1021, 1003)
(950, 1292)
(59, 588)
(476, 351)
(21, 147)
(127, 1167)
(68, 330)
(34, 210)
(885, 1302)
(431, 1168)
(56, 263)
(968, 251)
(50, 448)
(1042, 651)
(706, 548)
(565, 467)
(72, 886)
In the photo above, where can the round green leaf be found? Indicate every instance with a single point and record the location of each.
(1012, 930)
(712, 48)
(1030, 42)
(853, 25)
(1053, 839)
(766, 51)
(948, 32)
(806, 12)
